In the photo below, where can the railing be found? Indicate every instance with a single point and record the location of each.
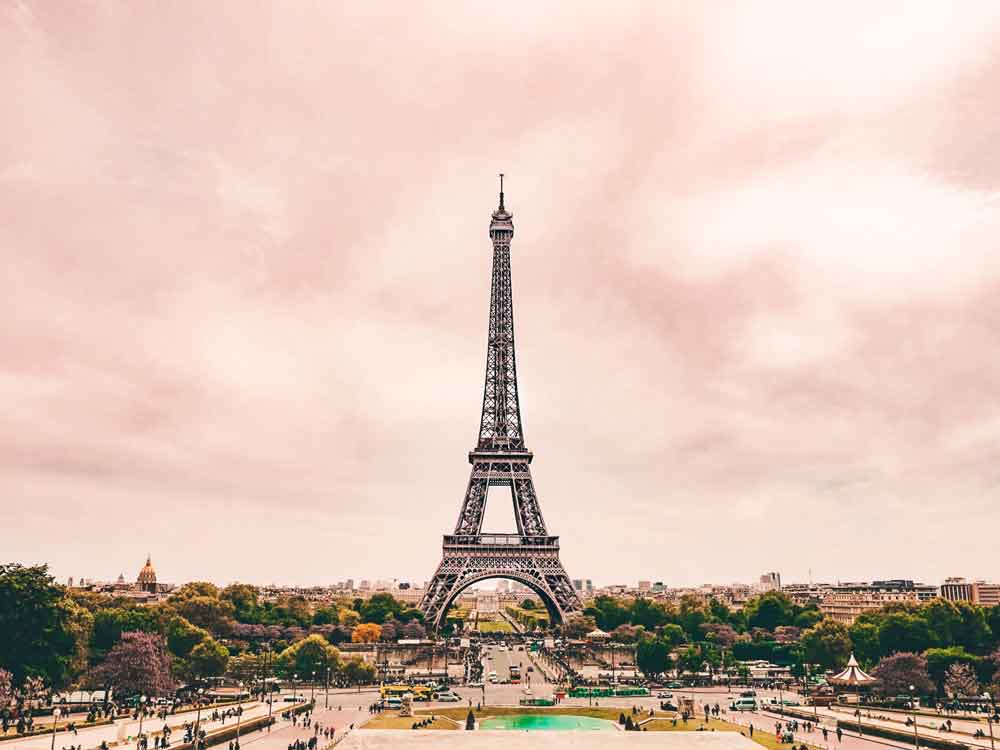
(502, 540)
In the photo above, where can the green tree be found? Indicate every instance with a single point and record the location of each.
(182, 636)
(244, 598)
(379, 608)
(901, 631)
(39, 635)
(647, 613)
(357, 672)
(973, 631)
(673, 634)
(326, 616)
(865, 643)
(608, 612)
(110, 623)
(940, 659)
(652, 656)
(692, 613)
(211, 613)
(312, 654)
(208, 659)
(769, 610)
(528, 604)
(827, 643)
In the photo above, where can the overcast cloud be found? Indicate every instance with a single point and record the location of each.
(245, 272)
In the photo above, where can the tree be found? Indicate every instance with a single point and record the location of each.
(137, 664)
(208, 659)
(652, 656)
(379, 608)
(577, 626)
(899, 671)
(902, 631)
(690, 660)
(607, 613)
(720, 633)
(648, 614)
(6, 689)
(528, 604)
(673, 634)
(939, 660)
(627, 633)
(367, 632)
(827, 644)
(769, 610)
(312, 654)
(326, 616)
(414, 629)
(182, 636)
(244, 598)
(960, 681)
(865, 642)
(357, 672)
(37, 622)
(211, 613)
(110, 623)
(692, 612)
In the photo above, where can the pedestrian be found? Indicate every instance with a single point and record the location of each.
(840, 734)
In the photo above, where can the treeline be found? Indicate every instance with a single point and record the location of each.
(53, 638)
(693, 635)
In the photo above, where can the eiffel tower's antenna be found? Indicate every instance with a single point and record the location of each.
(501, 191)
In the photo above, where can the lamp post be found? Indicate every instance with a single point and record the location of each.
(267, 687)
(989, 718)
(142, 715)
(295, 692)
(913, 707)
(326, 685)
(55, 717)
(197, 720)
(312, 688)
(239, 709)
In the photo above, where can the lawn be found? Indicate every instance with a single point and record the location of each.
(392, 720)
(499, 626)
(763, 738)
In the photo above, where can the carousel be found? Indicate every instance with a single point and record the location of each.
(853, 676)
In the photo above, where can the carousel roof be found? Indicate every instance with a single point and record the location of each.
(852, 675)
(597, 633)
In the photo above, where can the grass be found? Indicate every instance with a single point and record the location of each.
(762, 738)
(499, 626)
(392, 720)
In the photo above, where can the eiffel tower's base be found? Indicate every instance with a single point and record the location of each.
(532, 561)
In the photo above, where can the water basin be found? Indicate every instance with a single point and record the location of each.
(557, 722)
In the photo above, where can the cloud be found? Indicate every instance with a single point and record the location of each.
(246, 274)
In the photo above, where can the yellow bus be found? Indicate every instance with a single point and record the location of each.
(420, 692)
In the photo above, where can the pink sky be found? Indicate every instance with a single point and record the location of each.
(246, 273)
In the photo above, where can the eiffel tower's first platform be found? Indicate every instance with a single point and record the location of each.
(529, 556)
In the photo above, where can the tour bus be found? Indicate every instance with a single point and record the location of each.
(420, 692)
(515, 673)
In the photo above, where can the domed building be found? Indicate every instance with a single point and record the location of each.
(147, 577)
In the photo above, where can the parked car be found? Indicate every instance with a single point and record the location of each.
(664, 694)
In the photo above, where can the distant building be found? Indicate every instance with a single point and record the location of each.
(770, 582)
(147, 577)
(645, 586)
(977, 592)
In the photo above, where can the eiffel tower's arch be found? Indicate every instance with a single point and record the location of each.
(556, 615)
(531, 555)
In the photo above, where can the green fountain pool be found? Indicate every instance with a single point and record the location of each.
(550, 722)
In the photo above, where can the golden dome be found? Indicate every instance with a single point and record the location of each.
(148, 573)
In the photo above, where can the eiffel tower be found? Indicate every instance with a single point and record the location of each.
(531, 556)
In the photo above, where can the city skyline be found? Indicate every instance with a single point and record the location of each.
(755, 286)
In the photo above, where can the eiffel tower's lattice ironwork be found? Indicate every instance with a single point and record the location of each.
(530, 556)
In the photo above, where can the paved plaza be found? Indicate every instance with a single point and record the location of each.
(386, 739)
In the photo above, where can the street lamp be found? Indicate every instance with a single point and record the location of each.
(197, 720)
(326, 685)
(989, 718)
(239, 709)
(55, 717)
(295, 692)
(312, 688)
(142, 715)
(913, 707)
